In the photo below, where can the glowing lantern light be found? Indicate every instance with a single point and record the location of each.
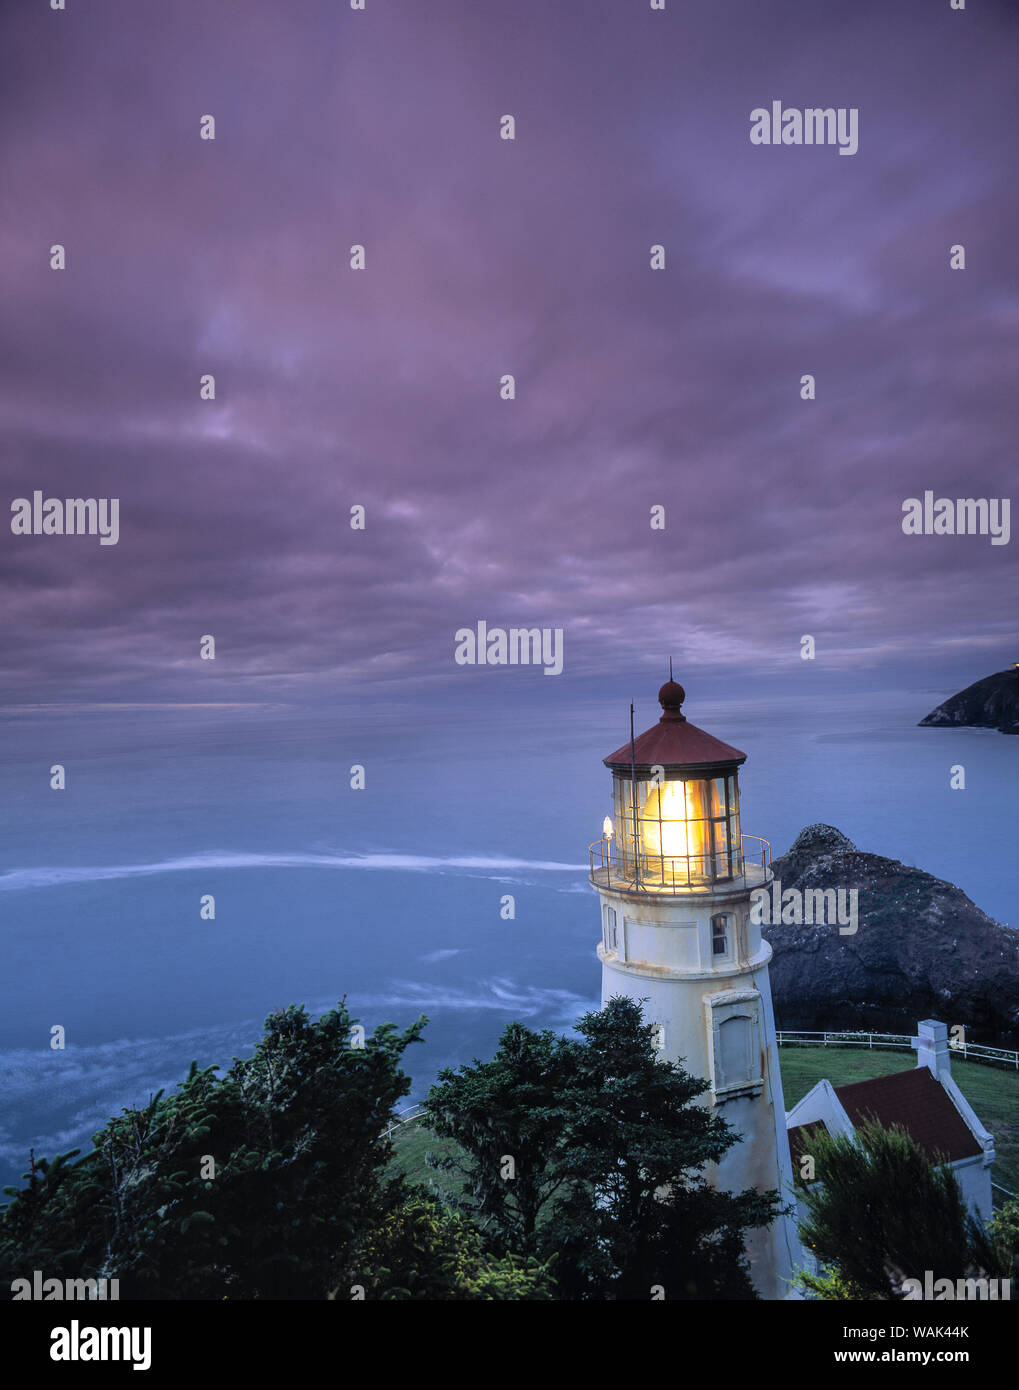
(676, 801)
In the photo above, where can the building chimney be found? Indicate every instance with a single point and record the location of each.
(932, 1048)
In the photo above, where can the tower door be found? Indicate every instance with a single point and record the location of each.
(734, 1050)
(734, 1022)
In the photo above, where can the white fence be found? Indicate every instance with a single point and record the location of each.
(401, 1117)
(971, 1052)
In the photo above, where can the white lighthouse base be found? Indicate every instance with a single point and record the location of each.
(714, 1016)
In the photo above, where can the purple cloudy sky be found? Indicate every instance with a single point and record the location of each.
(634, 388)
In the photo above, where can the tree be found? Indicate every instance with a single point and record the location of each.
(607, 1145)
(879, 1212)
(1003, 1231)
(423, 1250)
(640, 1213)
(38, 1227)
(511, 1110)
(296, 1136)
(307, 1178)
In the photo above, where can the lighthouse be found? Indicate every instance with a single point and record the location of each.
(675, 875)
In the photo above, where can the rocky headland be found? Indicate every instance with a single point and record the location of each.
(922, 949)
(991, 703)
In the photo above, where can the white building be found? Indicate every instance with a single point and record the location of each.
(675, 875)
(924, 1101)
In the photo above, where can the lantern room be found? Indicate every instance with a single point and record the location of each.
(675, 826)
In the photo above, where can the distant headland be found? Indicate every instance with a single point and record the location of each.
(991, 703)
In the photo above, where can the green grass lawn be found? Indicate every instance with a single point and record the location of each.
(411, 1142)
(992, 1092)
(803, 1067)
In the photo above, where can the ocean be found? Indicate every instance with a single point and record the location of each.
(390, 895)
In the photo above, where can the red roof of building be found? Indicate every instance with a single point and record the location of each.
(674, 741)
(918, 1102)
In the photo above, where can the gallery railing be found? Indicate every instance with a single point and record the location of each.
(621, 865)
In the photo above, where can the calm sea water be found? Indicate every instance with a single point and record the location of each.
(390, 895)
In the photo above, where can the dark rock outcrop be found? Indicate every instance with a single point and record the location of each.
(991, 703)
(922, 950)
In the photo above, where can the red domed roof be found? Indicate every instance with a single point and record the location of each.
(674, 742)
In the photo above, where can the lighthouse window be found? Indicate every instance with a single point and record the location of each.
(719, 935)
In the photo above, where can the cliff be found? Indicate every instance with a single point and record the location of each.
(922, 949)
(991, 703)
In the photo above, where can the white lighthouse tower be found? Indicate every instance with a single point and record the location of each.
(675, 875)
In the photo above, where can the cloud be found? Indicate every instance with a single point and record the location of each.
(634, 388)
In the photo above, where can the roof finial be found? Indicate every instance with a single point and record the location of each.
(671, 697)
